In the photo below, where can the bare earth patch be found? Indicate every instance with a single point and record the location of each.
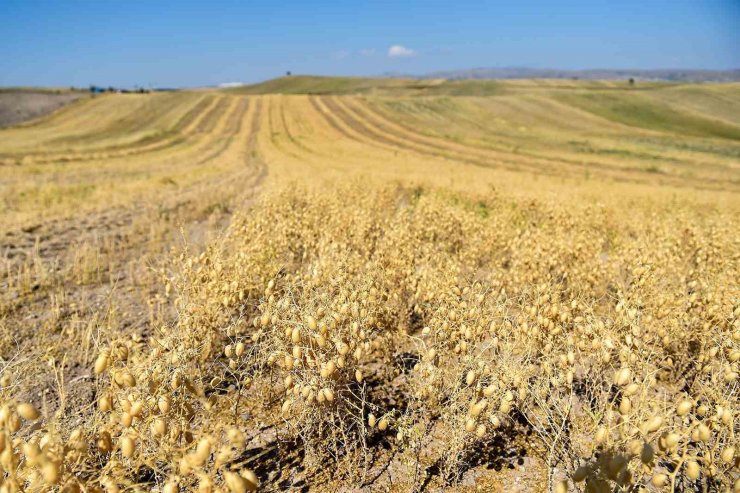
(20, 106)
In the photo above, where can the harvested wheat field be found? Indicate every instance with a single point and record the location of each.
(326, 284)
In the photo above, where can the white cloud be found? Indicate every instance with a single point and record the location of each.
(367, 52)
(341, 55)
(398, 51)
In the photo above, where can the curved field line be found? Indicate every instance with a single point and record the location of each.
(250, 154)
(219, 162)
(197, 162)
(176, 157)
(334, 150)
(291, 136)
(211, 119)
(256, 123)
(531, 162)
(233, 124)
(379, 135)
(383, 117)
(184, 128)
(74, 115)
(305, 150)
(149, 113)
(188, 123)
(243, 172)
(537, 107)
(348, 128)
(447, 148)
(236, 136)
(279, 135)
(306, 130)
(350, 152)
(248, 170)
(483, 156)
(206, 146)
(117, 121)
(310, 129)
(391, 129)
(417, 145)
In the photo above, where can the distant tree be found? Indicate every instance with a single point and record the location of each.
(632, 81)
(288, 73)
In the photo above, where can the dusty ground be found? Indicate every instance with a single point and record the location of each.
(21, 106)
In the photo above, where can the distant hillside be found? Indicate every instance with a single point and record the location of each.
(675, 75)
(388, 86)
(312, 84)
(22, 104)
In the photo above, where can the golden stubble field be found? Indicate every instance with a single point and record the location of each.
(399, 289)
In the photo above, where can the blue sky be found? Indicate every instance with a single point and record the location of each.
(189, 43)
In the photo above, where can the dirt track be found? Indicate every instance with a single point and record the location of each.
(20, 106)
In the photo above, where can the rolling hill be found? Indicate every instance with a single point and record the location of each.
(341, 284)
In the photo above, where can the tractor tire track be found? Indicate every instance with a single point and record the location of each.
(353, 134)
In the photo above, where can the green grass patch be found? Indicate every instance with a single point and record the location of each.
(636, 110)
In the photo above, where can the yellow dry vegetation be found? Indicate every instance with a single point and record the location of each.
(531, 290)
(118, 150)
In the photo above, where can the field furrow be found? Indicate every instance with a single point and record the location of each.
(621, 170)
(409, 141)
(162, 138)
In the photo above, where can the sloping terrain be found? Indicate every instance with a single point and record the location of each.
(306, 84)
(21, 106)
(676, 75)
(309, 84)
(349, 285)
